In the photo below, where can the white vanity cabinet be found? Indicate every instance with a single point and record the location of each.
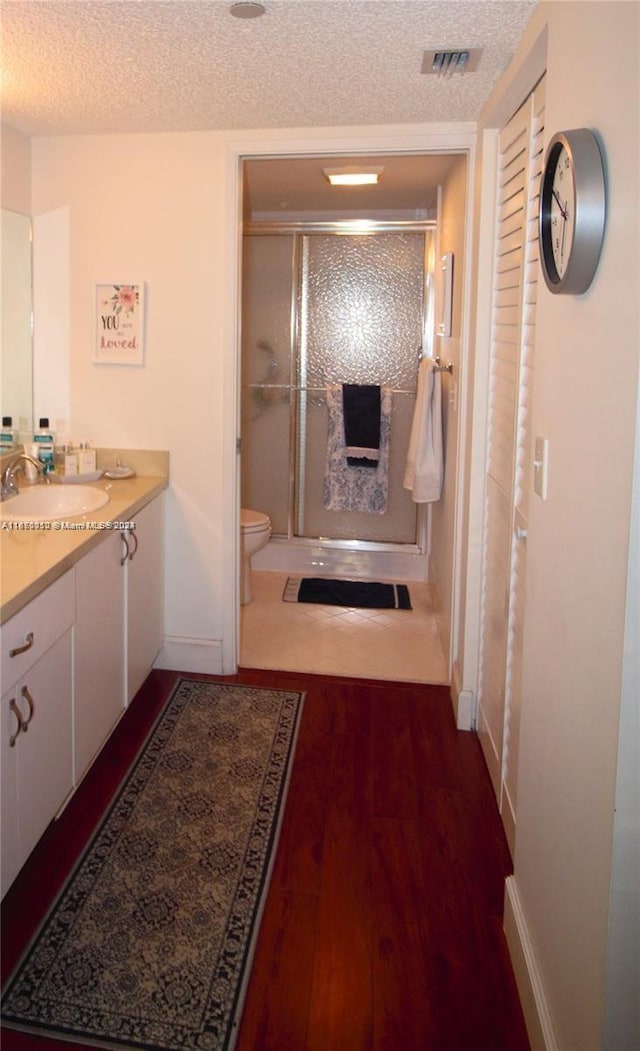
(36, 747)
(145, 594)
(72, 659)
(119, 627)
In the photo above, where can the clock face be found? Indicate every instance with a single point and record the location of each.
(562, 212)
(572, 211)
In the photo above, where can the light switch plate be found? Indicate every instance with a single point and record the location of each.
(541, 466)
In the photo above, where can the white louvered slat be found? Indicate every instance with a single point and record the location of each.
(511, 174)
(510, 262)
(511, 241)
(506, 279)
(512, 205)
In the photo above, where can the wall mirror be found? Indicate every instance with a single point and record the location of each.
(16, 330)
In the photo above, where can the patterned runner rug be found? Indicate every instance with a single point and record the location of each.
(150, 942)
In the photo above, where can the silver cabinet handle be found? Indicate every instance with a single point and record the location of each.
(16, 711)
(521, 533)
(135, 550)
(23, 724)
(29, 699)
(124, 558)
(28, 643)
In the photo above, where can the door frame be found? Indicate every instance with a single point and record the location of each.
(428, 138)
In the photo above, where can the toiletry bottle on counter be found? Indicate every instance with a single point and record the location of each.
(8, 437)
(66, 460)
(43, 438)
(86, 459)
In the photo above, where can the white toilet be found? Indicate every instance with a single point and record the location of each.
(255, 530)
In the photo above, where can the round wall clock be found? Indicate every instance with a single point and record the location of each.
(572, 211)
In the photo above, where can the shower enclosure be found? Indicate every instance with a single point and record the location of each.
(330, 303)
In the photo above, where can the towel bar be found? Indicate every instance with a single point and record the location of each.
(442, 368)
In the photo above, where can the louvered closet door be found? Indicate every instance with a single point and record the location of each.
(508, 473)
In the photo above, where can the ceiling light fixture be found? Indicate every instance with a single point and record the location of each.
(353, 176)
(247, 9)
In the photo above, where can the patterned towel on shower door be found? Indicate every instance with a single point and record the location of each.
(348, 488)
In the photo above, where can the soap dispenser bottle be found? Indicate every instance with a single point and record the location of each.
(66, 459)
(43, 438)
(86, 459)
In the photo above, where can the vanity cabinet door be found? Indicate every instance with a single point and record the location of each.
(10, 858)
(45, 762)
(31, 632)
(37, 770)
(99, 694)
(145, 594)
(35, 751)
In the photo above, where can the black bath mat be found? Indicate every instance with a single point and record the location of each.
(357, 594)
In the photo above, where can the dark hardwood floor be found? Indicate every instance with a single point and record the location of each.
(382, 928)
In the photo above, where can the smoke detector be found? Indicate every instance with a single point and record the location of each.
(247, 9)
(446, 61)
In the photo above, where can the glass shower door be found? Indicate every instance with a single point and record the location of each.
(267, 463)
(321, 308)
(361, 321)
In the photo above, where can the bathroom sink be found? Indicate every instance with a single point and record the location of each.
(49, 503)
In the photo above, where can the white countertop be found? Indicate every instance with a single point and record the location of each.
(31, 559)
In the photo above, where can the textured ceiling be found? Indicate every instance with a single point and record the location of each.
(79, 66)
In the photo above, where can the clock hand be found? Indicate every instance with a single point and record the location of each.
(563, 211)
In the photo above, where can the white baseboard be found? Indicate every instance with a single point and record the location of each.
(463, 702)
(508, 815)
(443, 620)
(525, 967)
(463, 708)
(489, 750)
(194, 655)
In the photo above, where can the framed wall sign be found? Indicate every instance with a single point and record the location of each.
(119, 335)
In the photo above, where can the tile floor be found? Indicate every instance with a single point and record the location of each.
(402, 645)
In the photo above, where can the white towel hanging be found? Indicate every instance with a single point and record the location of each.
(425, 465)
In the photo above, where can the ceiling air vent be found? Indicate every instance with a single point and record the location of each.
(453, 60)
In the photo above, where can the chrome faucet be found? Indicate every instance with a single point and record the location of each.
(8, 484)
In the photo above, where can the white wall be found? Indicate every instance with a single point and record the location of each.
(622, 1011)
(15, 161)
(584, 402)
(150, 208)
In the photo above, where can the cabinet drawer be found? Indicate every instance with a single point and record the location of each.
(47, 617)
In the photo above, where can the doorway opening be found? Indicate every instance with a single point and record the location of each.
(289, 206)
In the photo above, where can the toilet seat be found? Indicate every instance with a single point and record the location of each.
(253, 521)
